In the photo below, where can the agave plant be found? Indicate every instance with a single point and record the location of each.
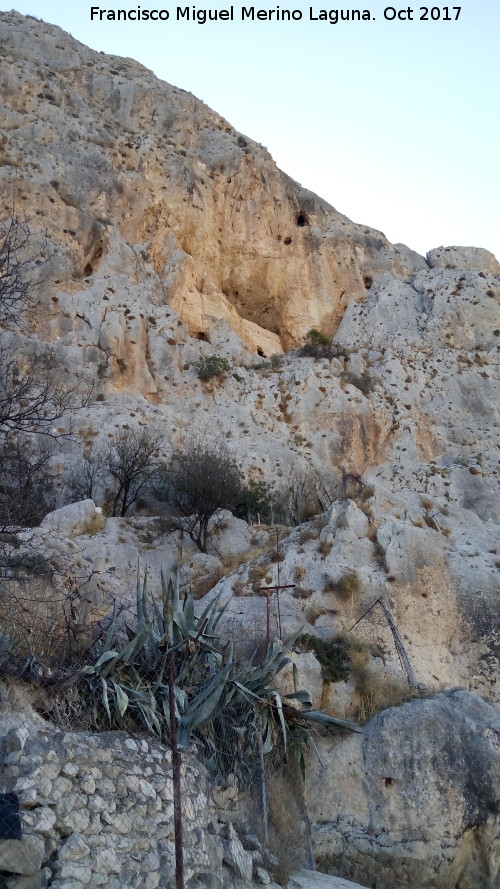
(231, 709)
(129, 682)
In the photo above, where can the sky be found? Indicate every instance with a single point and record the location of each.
(394, 121)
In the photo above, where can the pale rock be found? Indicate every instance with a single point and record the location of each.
(22, 856)
(31, 881)
(236, 857)
(313, 879)
(106, 862)
(73, 520)
(475, 258)
(412, 797)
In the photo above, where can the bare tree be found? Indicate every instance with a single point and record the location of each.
(133, 461)
(86, 475)
(19, 261)
(204, 479)
(34, 394)
(25, 483)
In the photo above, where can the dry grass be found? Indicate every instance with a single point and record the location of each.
(347, 587)
(384, 693)
(299, 573)
(325, 548)
(288, 837)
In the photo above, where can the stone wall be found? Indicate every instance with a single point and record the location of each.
(97, 810)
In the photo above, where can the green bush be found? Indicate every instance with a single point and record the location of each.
(212, 366)
(257, 498)
(316, 345)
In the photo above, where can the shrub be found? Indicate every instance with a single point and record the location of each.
(363, 382)
(316, 345)
(256, 500)
(204, 478)
(212, 366)
(346, 586)
(333, 656)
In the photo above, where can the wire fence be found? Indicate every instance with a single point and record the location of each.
(121, 768)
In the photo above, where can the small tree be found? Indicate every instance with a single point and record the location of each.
(87, 474)
(133, 462)
(204, 479)
(33, 391)
(256, 499)
(316, 345)
(212, 366)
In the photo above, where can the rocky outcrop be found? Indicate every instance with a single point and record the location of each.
(193, 213)
(414, 801)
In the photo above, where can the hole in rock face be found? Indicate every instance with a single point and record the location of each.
(367, 282)
(388, 782)
(87, 270)
(287, 241)
(201, 336)
(302, 220)
(260, 352)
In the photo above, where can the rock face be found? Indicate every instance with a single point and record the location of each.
(171, 237)
(174, 199)
(414, 801)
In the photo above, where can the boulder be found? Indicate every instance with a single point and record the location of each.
(464, 258)
(73, 520)
(414, 801)
(313, 879)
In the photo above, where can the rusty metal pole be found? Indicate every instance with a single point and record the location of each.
(268, 618)
(176, 771)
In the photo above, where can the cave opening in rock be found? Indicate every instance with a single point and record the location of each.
(302, 220)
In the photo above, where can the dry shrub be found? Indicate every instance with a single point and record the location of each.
(346, 587)
(277, 556)
(43, 622)
(238, 588)
(381, 693)
(289, 838)
(306, 534)
(325, 548)
(257, 573)
(299, 573)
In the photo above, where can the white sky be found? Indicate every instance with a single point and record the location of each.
(395, 123)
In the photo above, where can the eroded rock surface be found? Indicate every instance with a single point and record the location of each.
(414, 801)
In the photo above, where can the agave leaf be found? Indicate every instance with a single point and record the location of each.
(303, 695)
(181, 700)
(122, 699)
(160, 626)
(138, 599)
(111, 630)
(104, 658)
(150, 719)
(144, 599)
(205, 702)
(137, 643)
(188, 611)
(325, 719)
(159, 678)
(168, 609)
(180, 622)
(105, 699)
(279, 707)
